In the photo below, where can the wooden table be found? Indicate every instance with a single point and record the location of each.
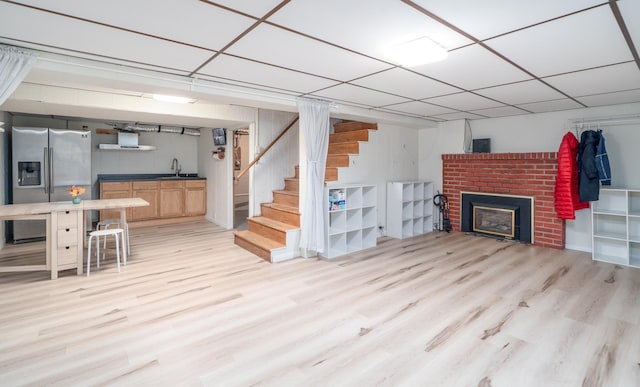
(55, 214)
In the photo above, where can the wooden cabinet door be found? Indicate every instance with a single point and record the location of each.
(114, 190)
(195, 197)
(171, 199)
(149, 191)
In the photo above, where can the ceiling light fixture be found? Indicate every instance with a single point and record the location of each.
(172, 98)
(416, 52)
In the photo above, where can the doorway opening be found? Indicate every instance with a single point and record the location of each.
(241, 186)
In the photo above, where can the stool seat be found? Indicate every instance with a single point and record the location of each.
(104, 224)
(117, 233)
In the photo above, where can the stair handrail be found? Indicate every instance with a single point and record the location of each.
(252, 163)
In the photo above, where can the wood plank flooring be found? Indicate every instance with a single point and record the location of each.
(192, 309)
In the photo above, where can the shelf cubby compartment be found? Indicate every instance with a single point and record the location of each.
(427, 207)
(369, 198)
(407, 210)
(634, 254)
(611, 251)
(418, 208)
(407, 228)
(634, 203)
(418, 191)
(369, 217)
(369, 237)
(418, 226)
(354, 219)
(634, 228)
(407, 192)
(427, 224)
(611, 201)
(337, 245)
(337, 222)
(354, 240)
(609, 226)
(354, 197)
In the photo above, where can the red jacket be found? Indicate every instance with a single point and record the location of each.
(567, 199)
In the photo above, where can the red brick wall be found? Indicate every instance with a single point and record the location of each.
(525, 174)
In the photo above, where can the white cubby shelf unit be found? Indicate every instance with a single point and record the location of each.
(615, 221)
(409, 208)
(351, 219)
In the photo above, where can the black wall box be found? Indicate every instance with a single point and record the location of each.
(482, 145)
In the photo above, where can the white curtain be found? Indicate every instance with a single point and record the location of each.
(14, 67)
(314, 126)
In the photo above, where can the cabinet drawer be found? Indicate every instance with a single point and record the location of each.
(145, 185)
(196, 183)
(67, 237)
(67, 219)
(172, 184)
(67, 255)
(115, 186)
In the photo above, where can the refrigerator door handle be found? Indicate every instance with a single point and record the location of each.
(46, 174)
(51, 174)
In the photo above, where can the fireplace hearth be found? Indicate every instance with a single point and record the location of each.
(498, 216)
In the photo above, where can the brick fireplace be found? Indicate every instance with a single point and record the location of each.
(520, 174)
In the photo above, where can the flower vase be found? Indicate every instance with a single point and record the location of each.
(76, 200)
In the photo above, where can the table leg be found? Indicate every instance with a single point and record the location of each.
(125, 231)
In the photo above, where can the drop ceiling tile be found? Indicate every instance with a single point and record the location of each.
(359, 26)
(108, 43)
(249, 72)
(521, 92)
(273, 45)
(620, 97)
(359, 95)
(588, 39)
(186, 22)
(405, 83)
(458, 116)
(472, 67)
(488, 18)
(464, 101)
(596, 81)
(254, 8)
(551, 106)
(419, 108)
(630, 9)
(502, 111)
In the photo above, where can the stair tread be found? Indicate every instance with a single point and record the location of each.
(283, 192)
(258, 240)
(282, 207)
(280, 226)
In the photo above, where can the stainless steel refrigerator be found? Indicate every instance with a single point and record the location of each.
(45, 164)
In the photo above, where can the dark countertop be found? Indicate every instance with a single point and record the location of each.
(148, 176)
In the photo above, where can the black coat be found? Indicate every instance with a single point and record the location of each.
(588, 181)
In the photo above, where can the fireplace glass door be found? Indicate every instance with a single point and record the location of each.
(495, 221)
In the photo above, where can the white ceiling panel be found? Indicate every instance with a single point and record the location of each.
(503, 111)
(76, 35)
(617, 98)
(458, 116)
(521, 92)
(551, 106)
(406, 83)
(376, 27)
(630, 10)
(419, 108)
(252, 7)
(360, 95)
(225, 66)
(472, 67)
(274, 45)
(464, 101)
(596, 81)
(189, 21)
(588, 39)
(488, 18)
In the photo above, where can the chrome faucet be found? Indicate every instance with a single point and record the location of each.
(175, 166)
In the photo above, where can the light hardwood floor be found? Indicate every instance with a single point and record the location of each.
(190, 308)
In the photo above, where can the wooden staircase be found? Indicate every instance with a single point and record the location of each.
(274, 236)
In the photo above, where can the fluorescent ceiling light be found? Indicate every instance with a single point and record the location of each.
(172, 98)
(416, 52)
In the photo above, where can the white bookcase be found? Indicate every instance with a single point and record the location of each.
(615, 221)
(351, 219)
(409, 208)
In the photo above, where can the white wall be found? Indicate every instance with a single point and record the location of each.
(219, 180)
(541, 133)
(391, 154)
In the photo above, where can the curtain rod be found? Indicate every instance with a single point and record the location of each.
(607, 120)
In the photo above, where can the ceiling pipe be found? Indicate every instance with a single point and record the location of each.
(159, 129)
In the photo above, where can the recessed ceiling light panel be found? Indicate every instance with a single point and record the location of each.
(416, 52)
(172, 98)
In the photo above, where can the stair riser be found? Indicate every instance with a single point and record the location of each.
(347, 148)
(331, 174)
(334, 161)
(350, 126)
(356, 135)
(289, 200)
(296, 174)
(281, 216)
(268, 232)
(250, 247)
(291, 185)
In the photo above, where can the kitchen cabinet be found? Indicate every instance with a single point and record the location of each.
(115, 190)
(149, 191)
(195, 197)
(172, 198)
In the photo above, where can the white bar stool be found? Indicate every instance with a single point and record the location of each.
(117, 233)
(104, 224)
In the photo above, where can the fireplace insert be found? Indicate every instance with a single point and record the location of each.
(499, 216)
